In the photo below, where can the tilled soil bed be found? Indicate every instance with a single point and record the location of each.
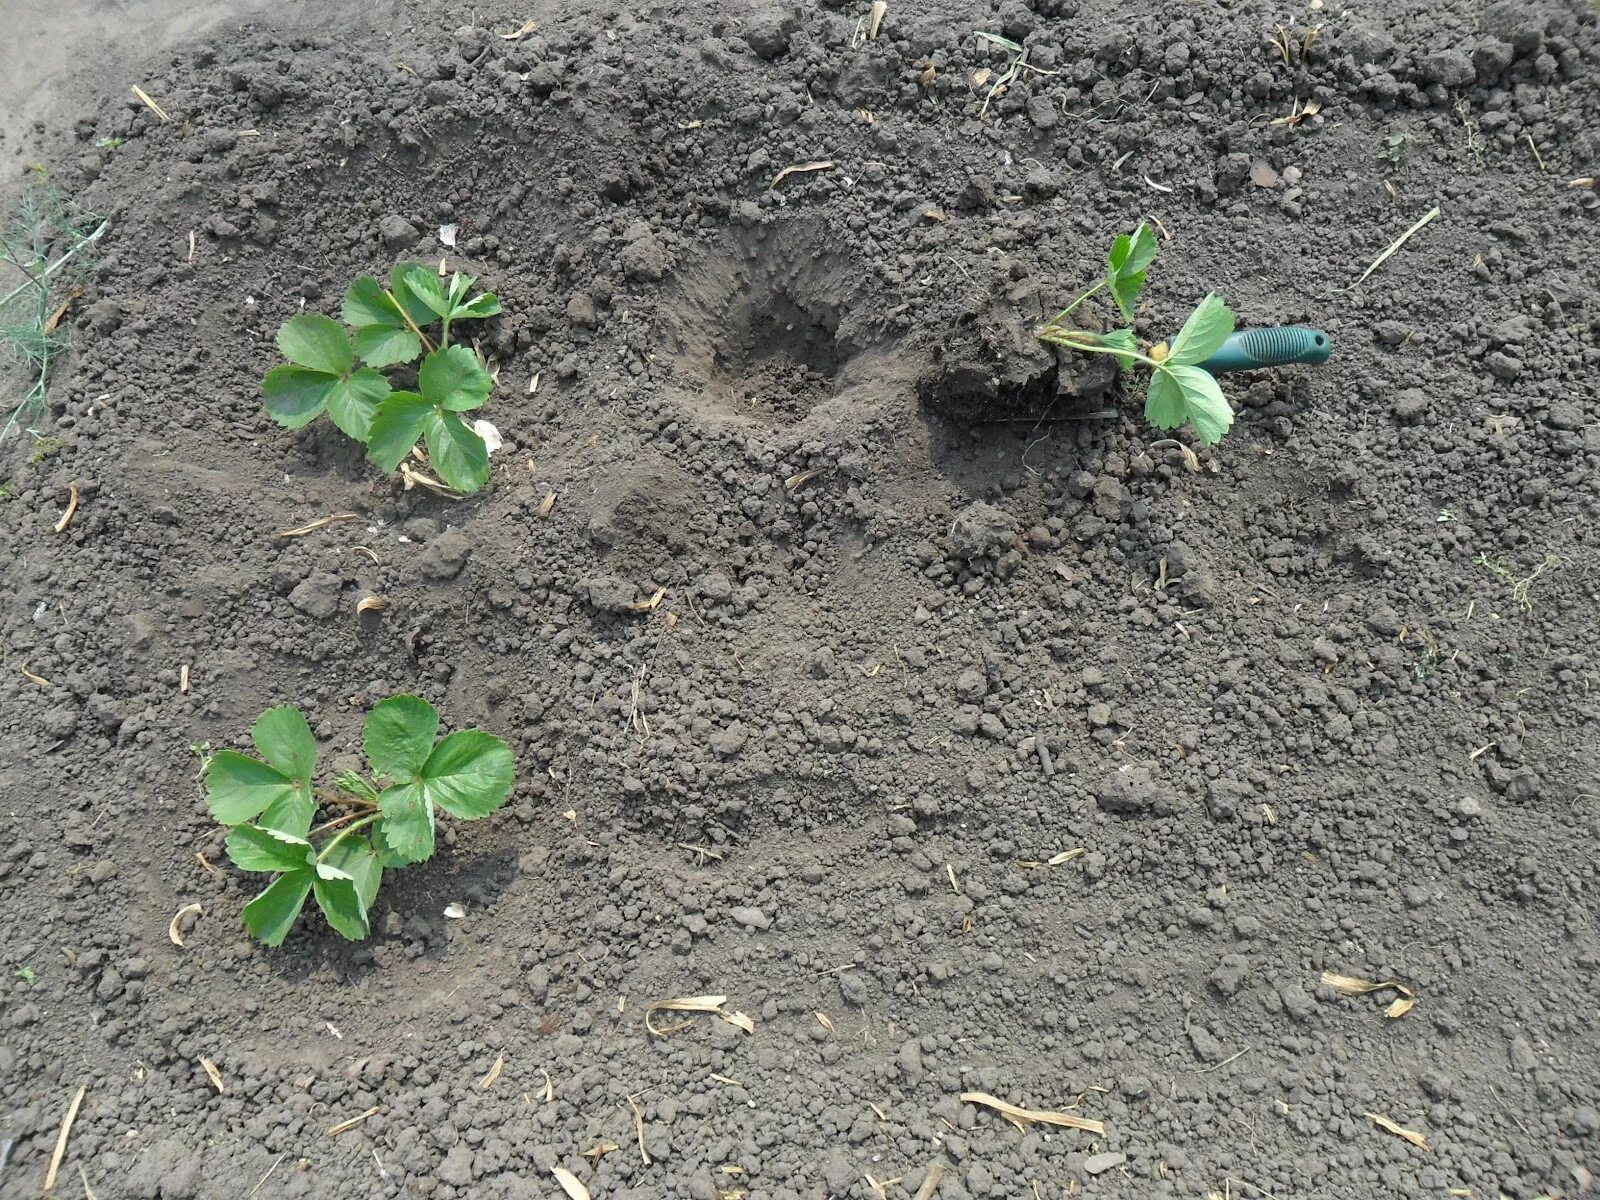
(984, 739)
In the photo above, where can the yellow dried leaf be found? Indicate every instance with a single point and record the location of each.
(371, 604)
(798, 169)
(1065, 856)
(494, 1071)
(212, 1074)
(695, 1004)
(570, 1183)
(1400, 1006)
(545, 505)
(175, 928)
(1023, 1117)
(824, 1021)
(875, 19)
(516, 35)
(1351, 985)
(1410, 1135)
(651, 604)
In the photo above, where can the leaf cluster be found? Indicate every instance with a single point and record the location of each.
(338, 370)
(1180, 390)
(270, 803)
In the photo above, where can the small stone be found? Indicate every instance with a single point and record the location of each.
(444, 557)
(971, 685)
(1449, 67)
(1099, 1164)
(397, 232)
(318, 595)
(853, 988)
(1410, 406)
(750, 918)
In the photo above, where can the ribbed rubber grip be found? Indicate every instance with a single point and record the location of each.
(1274, 346)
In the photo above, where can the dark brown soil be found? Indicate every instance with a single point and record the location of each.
(1328, 703)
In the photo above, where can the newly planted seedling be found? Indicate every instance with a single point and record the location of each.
(270, 804)
(1180, 391)
(390, 327)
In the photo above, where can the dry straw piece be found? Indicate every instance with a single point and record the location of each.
(145, 100)
(342, 1126)
(570, 1183)
(61, 1138)
(1350, 985)
(1410, 1135)
(798, 169)
(319, 523)
(210, 1068)
(371, 604)
(930, 1181)
(494, 1071)
(175, 928)
(1023, 1117)
(695, 1004)
(72, 508)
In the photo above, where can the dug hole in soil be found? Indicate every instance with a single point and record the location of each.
(978, 743)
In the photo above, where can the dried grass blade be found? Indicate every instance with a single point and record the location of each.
(798, 169)
(210, 1068)
(175, 929)
(61, 1139)
(570, 1183)
(145, 100)
(1022, 1117)
(1397, 243)
(930, 1181)
(319, 523)
(494, 1072)
(72, 508)
(1410, 1135)
(1350, 985)
(342, 1126)
(1066, 856)
(695, 1004)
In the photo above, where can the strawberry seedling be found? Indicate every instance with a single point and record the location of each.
(271, 802)
(390, 328)
(1180, 391)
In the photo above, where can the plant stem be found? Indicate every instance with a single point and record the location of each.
(412, 325)
(344, 820)
(344, 834)
(57, 265)
(1064, 339)
(1067, 311)
(336, 798)
(444, 338)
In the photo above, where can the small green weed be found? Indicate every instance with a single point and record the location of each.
(269, 804)
(389, 327)
(46, 248)
(1521, 587)
(28, 975)
(1017, 66)
(1393, 150)
(1180, 391)
(44, 448)
(111, 143)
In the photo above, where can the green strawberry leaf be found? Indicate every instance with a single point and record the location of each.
(1125, 291)
(353, 401)
(399, 736)
(317, 343)
(340, 901)
(271, 914)
(404, 832)
(485, 304)
(290, 814)
(452, 379)
(469, 774)
(239, 788)
(357, 859)
(383, 336)
(1203, 333)
(456, 451)
(1163, 407)
(1207, 408)
(294, 396)
(401, 287)
(283, 738)
(396, 427)
(253, 848)
(427, 289)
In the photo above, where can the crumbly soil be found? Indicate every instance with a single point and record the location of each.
(980, 742)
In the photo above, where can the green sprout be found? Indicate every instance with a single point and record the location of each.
(1018, 65)
(1180, 389)
(270, 804)
(28, 975)
(388, 328)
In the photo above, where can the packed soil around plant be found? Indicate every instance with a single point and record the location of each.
(867, 663)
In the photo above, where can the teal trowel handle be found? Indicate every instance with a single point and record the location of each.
(1274, 346)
